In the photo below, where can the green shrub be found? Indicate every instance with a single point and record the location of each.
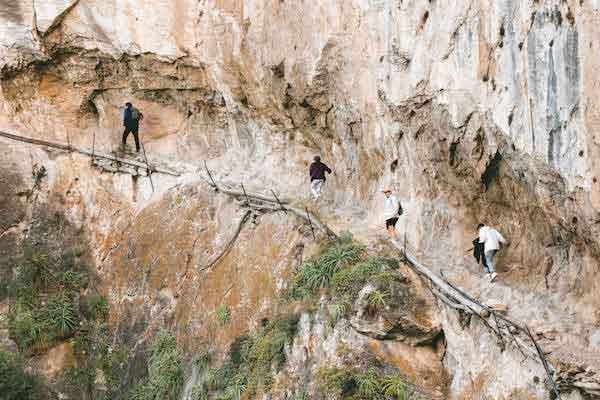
(336, 382)
(376, 301)
(34, 325)
(223, 315)
(60, 314)
(317, 272)
(70, 280)
(251, 360)
(394, 387)
(15, 383)
(97, 307)
(368, 383)
(165, 372)
(79, 379)
(353, 383)
(203, 359)
(28, 329)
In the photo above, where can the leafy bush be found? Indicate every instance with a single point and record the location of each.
(352, 383)
(165, 372)
(35, 324)
(29, 330)
(376, 301)
(251, 360)
(223, 315)
(15, 383)
(97, 307)
(60, 315)
(317, 272)
(394, 387)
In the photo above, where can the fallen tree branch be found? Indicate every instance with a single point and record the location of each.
(544, 363)
(278, 205)
(229, 244)
(447, 289)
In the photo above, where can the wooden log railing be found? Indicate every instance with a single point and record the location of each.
(72, 149)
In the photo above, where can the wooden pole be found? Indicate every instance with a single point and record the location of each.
(278, 201)
(245, 194)
(148, 170)
(93, 146)
(544, 363)
(211, 177)
(310, 222)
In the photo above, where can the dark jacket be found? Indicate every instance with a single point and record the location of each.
(317, 170)
(478, 252)
(127, 119)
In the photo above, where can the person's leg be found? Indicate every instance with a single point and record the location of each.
(125, 134)
(136, 138)
(483, 261)
(320, 183)
(313, 189)
(390, 225)
(489, 255)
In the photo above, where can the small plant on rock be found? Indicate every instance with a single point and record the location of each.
(38, 174)
(61, 315)
(394, 387)
(376, 301)
(223, 315)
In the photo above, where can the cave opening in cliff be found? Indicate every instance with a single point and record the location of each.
(491, 171)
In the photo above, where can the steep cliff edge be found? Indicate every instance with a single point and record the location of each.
(472, 111)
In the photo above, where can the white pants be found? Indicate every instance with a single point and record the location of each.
(316, 186)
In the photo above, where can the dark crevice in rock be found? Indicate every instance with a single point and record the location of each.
(491, 171)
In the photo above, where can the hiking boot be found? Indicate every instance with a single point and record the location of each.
(493, 277)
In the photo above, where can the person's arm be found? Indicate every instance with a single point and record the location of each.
(327, 169)
(482, 235)
(125, 117)
(501, 238)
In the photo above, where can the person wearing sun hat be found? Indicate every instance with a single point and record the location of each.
(391, 212)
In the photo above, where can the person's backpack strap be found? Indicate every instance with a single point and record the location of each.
(400, 210)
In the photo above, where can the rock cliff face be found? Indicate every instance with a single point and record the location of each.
(471, 110)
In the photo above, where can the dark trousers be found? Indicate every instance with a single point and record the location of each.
(134, 130)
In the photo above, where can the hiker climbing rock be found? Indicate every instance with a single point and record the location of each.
(131, 121)
(317, 176)
(479, 252)
(491, 239)
(392, 211)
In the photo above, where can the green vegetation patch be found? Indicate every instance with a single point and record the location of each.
(15, 382)
(45, 298)
(358, 384)
(165, 372)
(343, 268)
(250, 365)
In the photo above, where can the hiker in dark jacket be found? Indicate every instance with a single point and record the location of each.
(317, 176)
(131, 121)
(479, 253)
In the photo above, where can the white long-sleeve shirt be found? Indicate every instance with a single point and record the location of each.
(391, 207)
(491, 238)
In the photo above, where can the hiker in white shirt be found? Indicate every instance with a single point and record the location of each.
(392, 210)
(491, 240)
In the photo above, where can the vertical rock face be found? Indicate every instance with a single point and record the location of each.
(472, 111)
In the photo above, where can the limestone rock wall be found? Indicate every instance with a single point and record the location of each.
(470, 110)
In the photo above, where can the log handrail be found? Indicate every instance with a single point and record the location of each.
(93, 153)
